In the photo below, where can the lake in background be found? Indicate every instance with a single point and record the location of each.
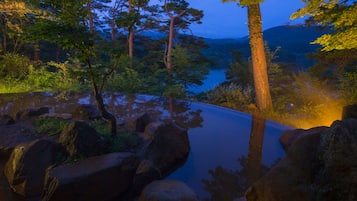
(213, 79)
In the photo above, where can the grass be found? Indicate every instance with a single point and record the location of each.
(121, 141)
(50, 126)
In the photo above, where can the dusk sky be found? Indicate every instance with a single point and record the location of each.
(230, 21)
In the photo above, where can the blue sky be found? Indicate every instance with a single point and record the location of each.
(230, 21)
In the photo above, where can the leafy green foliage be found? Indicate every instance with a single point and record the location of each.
(186, 70)
(331, 65)
(341, 15)
(50, 126)
(240, 71)
(126, 81)
(50, 77)
(231, 95)
(14, 65)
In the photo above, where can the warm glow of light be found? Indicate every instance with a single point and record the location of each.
(326, 115)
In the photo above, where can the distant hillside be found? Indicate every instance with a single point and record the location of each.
(293, 40)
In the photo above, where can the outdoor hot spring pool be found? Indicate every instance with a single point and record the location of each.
(229, 149)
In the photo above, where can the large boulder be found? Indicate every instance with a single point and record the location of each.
(26, 167)
(167, 190)
(169, 147)
(139, 122)
(349, 111)
(65, 116)
(32, 112)
(86, 112)
(337, 178)
(290, 136)
(80, 139)
(145, 174)
(99, 178)
(6, 120)
(318, 166)
(12, 135)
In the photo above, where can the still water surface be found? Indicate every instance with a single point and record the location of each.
(229, 149)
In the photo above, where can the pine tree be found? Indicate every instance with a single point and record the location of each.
(260, 72)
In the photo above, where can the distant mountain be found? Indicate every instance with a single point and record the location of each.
(294, 42)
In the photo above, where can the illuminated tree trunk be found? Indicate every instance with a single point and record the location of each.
(260, 74)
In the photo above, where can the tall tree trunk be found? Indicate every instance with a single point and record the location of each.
(170, 44)
(260, 72)
(131, 43)
(112, 25)
(168, 53)
(58, 54)
(130, 34)
(90, 18)
(36, 52)
(4, 35)
(254, 162)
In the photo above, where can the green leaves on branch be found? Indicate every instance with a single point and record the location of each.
(314, 8)
(340, 15)
(67, 36)
(339, 41)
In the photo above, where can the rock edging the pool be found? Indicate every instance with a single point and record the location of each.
(320, 165)
(32, 169)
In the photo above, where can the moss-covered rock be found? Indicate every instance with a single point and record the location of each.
(80, 139)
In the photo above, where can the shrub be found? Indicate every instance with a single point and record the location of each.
(231, 95)
(14, 65)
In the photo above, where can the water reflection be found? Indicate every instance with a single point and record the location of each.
(121, 105)
(181, 112)
(227, 184)
(254, 163)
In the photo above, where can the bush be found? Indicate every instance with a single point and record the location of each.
(14, 65)
(50, 77)
(309, 102)
(231, 95)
